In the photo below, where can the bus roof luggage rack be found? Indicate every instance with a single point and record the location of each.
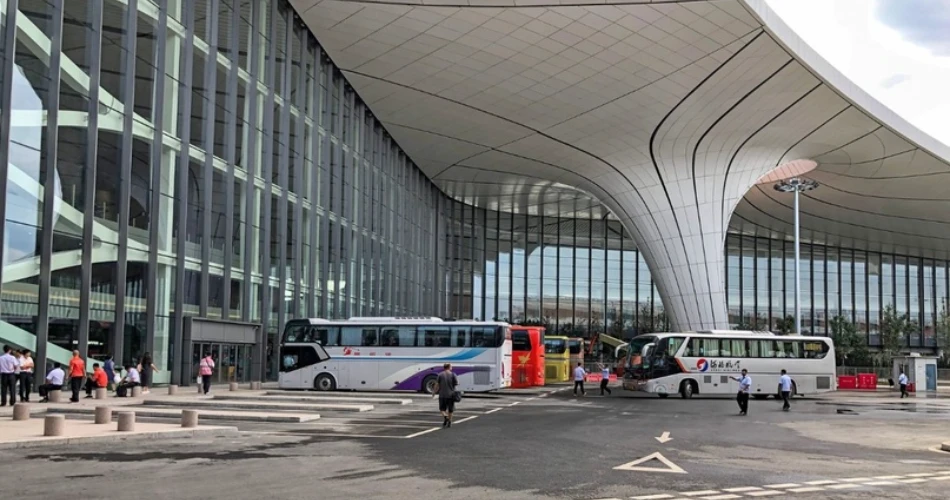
(388, 319)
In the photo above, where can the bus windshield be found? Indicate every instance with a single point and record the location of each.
(575, 345)
(634, 349)
(555, 346)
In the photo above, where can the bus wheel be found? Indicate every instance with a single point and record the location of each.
(687, 389)
(324, 382)
(663, 395)
(428, 385)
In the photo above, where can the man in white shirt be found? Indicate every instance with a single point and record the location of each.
(131, 379)
(579, 375)
(54, 382)
(9, 366)
(902, 380)
(745, 385)
(785, 383)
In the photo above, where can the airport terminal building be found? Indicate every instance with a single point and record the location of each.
(594, 168)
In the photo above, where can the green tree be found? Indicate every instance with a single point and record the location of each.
(848, 344)
(785, 325)
(894, 326)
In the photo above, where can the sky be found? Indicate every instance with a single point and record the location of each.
(896, 50)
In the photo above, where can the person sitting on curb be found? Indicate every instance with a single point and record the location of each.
(54, 382)
(130, 380)
(98, 380)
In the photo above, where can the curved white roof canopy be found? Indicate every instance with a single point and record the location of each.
(666, 112)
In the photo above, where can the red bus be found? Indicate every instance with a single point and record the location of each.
(527, 353)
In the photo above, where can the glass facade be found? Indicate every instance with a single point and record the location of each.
(853, 284)
(163, 159)
(172, 158)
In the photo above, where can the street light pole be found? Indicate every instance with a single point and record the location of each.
(797, 185)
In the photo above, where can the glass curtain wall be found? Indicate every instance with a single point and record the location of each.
(853, 284)
(170, 158)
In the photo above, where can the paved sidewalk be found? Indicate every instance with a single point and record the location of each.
(29, 433)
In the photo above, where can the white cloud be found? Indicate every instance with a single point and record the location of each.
(910, 79)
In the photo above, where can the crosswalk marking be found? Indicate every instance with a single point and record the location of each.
(742, 489)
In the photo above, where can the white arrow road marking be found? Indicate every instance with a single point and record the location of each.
(664, 438)
(670, 466)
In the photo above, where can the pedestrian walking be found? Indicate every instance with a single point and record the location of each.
(146, 369)
(579, 376)
(205, 369)
(77, 374)
(445, 389)
(745, 385)
(26, 375)
(109, 368)
(785, 383)
(54, 382)
(902, 381)
(8, 373)
(604, 379)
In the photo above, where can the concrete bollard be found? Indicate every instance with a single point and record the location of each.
(21, 411)
(101, 392)
(189, 418)
(54, 425)
(233, 386)
(126, 421)
(56, 396)
(172, 390)
(136, 391)
(103, 415)
(255, 386)
(200, 389)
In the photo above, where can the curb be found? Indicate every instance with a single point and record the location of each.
(945, 446)
(160, 412)
(117, 437)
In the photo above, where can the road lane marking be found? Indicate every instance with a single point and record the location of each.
(670, 466)
(699, 493)
(807, 489)
(845, 486)
(888, 477)
(652, 497)
(880, 483)
(664, 438)
(742, 489)
(821, 482)
(913, 481)
(423, 432)
(921, 474)
(721, 497)
(783, 485)
(466, 419)
(764, 493)
(493, 411)
(515, 403)
(856, 479)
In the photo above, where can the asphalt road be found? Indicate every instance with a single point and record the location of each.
(527, 446)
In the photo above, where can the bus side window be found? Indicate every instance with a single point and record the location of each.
(351, 336)
(711, 347)
(793, 350)
(486, 336)
(436, 337)
(767, 348)
(739, 349)
(460, 336)
(389, 337)
(328, 336)
(307, 336)
(369, 337)
(294, 332)
(754, 348)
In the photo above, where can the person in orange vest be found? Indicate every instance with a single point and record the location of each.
(77, 374)
(97, 380)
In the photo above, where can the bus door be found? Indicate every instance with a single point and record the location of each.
(521, 348)
(297, 362)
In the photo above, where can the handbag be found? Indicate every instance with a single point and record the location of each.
(457, 396)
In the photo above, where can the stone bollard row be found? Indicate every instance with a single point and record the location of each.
(21, 411)
(172, 390)
(233, 386)
(189, 418)
(255, 386)
(101, 392)
(56, 396)
(137, 391)
(54, 425)
(103, 415)
(126, 421)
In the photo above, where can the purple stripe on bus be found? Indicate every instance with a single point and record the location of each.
(414, 383)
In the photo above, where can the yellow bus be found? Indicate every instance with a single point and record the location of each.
(557, 360)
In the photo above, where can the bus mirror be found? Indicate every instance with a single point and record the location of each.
(647, 350)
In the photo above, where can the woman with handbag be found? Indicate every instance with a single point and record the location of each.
(205, 369)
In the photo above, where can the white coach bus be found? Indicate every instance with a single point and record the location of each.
(399, 354)
(702, 363)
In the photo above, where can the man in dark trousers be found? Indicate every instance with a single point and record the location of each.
(745, 385)
(785, 383)
(445, 390)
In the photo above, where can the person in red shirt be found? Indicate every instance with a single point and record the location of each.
(77, 373)
(97, 380)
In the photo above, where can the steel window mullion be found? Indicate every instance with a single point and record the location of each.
(315, 179)
(207, 170)
(301, 103)
(267, 158)
(6, 96)
(250, 164)
(94, 39)
(622, 250)
(590, 272)
(283, 174)
(51, 144)
(230, 153)
(155, 205)
(557, 274)
(184, 108)
(326, 72)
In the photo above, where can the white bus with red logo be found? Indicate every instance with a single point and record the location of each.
(703, 362)
(394, 353)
